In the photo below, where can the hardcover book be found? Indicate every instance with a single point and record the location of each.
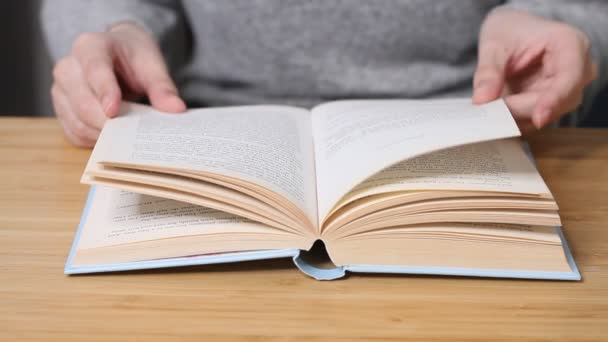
(393, 186)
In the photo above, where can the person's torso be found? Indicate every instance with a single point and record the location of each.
(305, 52)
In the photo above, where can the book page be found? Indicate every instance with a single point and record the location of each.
(356, 139)
(469, 246)
(118, 217)
(497, 166)
(270, 146)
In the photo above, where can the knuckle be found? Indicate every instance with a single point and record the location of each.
(63, 67)
(93, 69)
(98, 74)
(83, 40)
(84, 107)
(87, 39)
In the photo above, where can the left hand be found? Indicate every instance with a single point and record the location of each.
(541, 67)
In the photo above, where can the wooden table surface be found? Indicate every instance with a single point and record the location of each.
(40, 205)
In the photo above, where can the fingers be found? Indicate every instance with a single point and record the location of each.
(573, 69)
(101, 69)
(159, 87)
(69, 78)
(85, 90)
(151, 70)
(572, 72)
(93, 52)
(525, 107)
(76, 131)
(526, 56)
(545, 63)
(146, 69)
(489, 78)
(521, 107)
(558, 100)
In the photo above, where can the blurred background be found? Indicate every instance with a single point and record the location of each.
(25, 66)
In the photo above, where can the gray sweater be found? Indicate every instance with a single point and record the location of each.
(225, 52)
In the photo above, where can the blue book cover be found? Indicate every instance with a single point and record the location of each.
(307, 267)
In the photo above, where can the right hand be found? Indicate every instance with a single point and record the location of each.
(102, 68)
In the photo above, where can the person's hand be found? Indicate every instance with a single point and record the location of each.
(102, 68)
(539, 66)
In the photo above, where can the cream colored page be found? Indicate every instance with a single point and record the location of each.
(499, 165)
(473, 230)
(356, 139)
(119, 217)
(268, 145)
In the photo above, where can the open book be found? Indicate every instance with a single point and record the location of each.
(402, 186)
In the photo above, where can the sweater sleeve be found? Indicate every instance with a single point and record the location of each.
(63, 20)
(591, 16)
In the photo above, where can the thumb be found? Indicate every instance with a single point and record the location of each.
(145, 68)
(489, 79)
(162, 93)
(151, 70)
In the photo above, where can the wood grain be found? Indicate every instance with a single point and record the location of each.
(40, 205)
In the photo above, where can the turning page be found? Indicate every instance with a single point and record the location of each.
(356, 139)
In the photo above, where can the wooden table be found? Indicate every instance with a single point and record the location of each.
(40, 205)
